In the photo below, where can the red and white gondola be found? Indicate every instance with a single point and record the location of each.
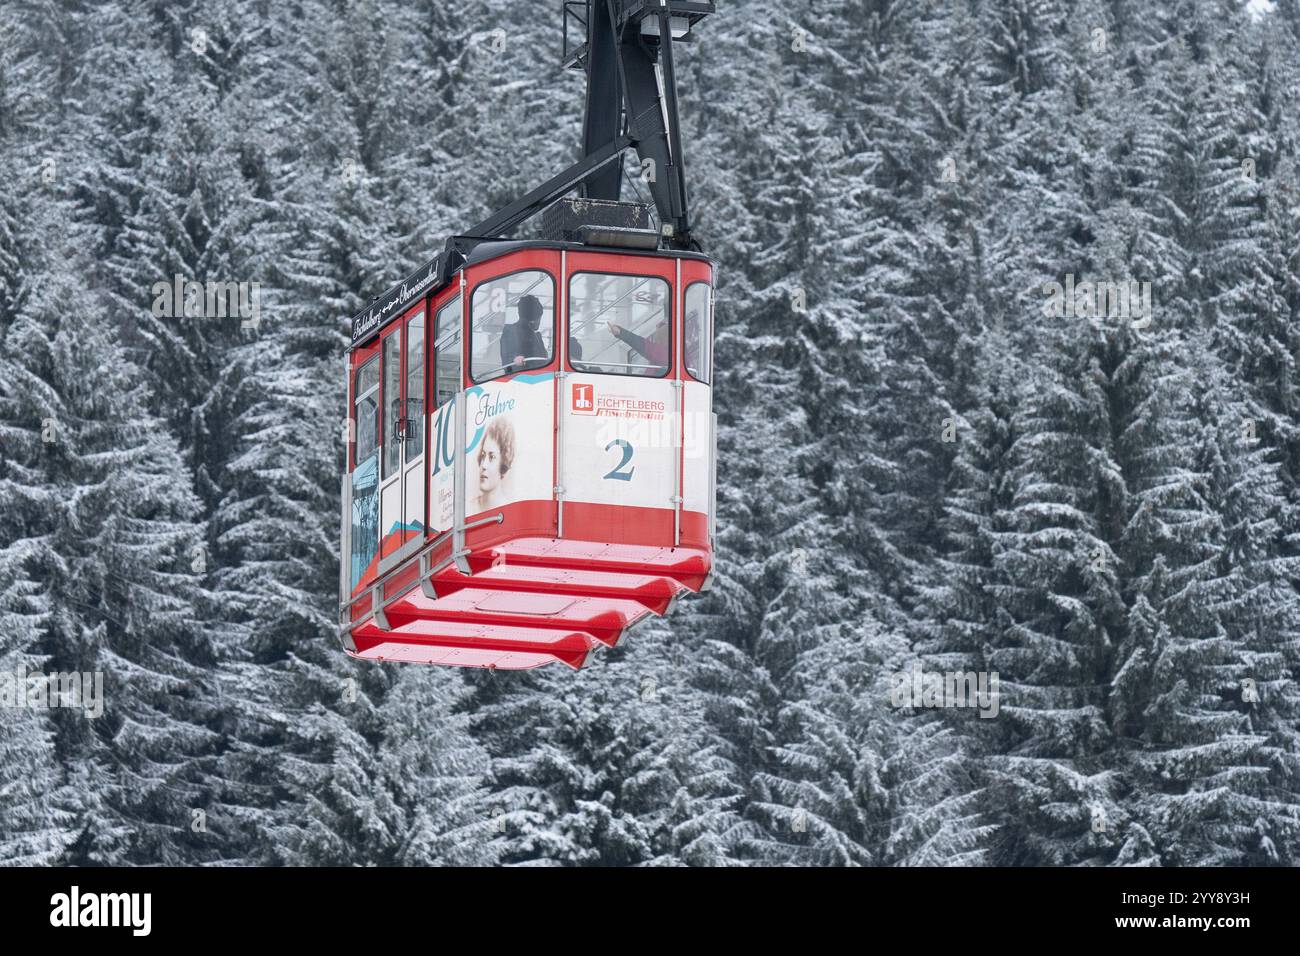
(531, 457)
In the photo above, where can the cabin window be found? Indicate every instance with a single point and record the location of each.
(415, 387)
(366, 410)
(365, 474)
(620, 324)
(446, 352)
(513, 324)
(699, 331)
(392, 356)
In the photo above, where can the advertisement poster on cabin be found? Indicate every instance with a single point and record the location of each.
(509, 444)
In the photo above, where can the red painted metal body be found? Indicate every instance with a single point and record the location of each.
(571, 547)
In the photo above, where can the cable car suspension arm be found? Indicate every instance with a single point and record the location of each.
(628, 59)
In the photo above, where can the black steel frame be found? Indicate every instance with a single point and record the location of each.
(625, 107)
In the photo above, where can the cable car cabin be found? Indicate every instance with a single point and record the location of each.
(531, 464)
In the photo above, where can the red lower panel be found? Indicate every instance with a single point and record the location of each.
(646, 530)
(605, 619)
(478, 645)
(531, 598)
(653, 592)
(688, 566)
(621, 524)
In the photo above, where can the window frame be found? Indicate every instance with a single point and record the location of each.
(502, 372)
(416, 421)
(455, 334)
(385, 471)
(626, 373)
(708, 380)
(357, 397)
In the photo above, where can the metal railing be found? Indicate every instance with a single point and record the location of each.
(484, 376)
(381, 599)
(596, 368)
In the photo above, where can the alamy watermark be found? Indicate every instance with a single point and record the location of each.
(691, 431)
(75, 690)
(919, 688)
(130, 910)
(1104, 299)
(187, 298)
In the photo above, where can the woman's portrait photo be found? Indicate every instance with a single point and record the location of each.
(496, 455)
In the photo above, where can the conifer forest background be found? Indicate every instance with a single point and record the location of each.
(919, 464)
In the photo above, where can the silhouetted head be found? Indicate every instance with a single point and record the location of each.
(530, 311)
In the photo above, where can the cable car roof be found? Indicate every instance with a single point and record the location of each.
(428, 279)
(496, 248)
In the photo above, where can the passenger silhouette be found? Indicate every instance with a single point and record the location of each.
(653, 348)
(521, 342)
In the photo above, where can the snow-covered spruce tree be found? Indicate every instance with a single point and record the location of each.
(35, 820)
(956, 618)
(436, 774)
(780, 325)
(1200, 754)
(1058, 607)
(1203, 513)
(522, 131)
(609, 766)
(303, 764)
(841, 791)
(97, 488)
(1250, 299)
(1202, 544)
(912, 276)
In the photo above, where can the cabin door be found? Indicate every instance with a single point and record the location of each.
(446, 386)
(402, 456)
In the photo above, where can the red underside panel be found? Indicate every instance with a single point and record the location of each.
(653, 592)
(527, 602)
(605, 619)
(478, 645)
(687, 566)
